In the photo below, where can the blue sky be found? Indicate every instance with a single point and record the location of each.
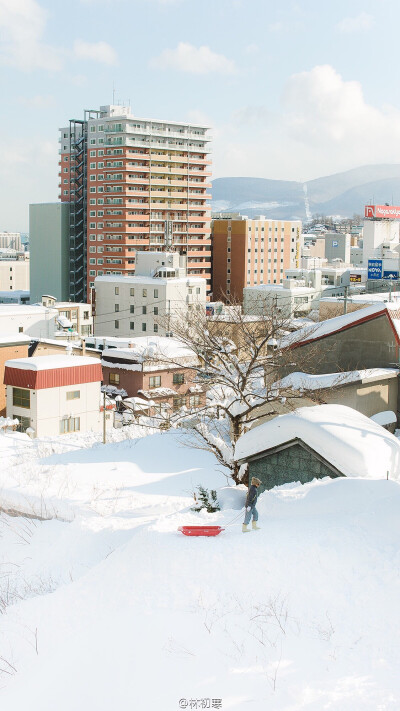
(292, 90)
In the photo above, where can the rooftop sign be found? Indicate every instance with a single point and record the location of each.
(385, 212)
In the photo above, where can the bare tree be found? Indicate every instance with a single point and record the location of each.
(240, 361)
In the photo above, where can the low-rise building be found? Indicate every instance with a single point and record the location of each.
(74, 319)
(148, 302)
(15, 297)
(31, 319)
(158, 370)
(316, 442)
(55, 394)
(11, 346)
(292, 298)
(366, 338)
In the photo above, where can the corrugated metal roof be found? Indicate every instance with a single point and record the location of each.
(53, 378)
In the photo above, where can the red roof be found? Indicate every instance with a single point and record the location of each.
(53, 378)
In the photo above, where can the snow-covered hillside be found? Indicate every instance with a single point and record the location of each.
(112, 608)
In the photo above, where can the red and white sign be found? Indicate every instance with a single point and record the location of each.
(385, 212)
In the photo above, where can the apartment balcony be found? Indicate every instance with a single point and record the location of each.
(137, 156)
(137, 230)
(138, 218)
(199, 230)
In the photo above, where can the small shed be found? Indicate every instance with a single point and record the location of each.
(315, 442)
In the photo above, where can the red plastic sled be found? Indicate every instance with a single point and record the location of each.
(200, 530)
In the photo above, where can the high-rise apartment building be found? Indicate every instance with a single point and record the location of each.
(133, 184)
(250, 252)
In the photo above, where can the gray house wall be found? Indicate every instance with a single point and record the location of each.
(371, 344)
(295, 462)
(48, 247)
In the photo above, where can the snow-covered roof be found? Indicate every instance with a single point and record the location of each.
(353, 443)
(152, 281)
(339, 323)
(154, 347)
(387, 417)
(158, 392)
(14, 338)
(19, 309)
(50, 362)
(305, 381)
(64, 321)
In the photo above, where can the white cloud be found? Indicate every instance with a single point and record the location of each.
(361, 23)
(195, 60)
(97, 51)
(325, 126)
(22, 27)
(22, 24)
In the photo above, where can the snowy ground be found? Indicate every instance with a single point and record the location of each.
(109, 607)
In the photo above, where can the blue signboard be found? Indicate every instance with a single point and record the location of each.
(374, 268)
(391, 275)
(335, 243)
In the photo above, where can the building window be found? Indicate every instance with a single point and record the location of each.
(155, 381)
(72, 424)
(74, 395)
(194, 400)
(178, 378)
(144, 293)
(116, 290)
(116, 307)
(156, 311)
(144, 309)
(132, 309)
(179, 401)
(132, 325)
(113, 378)
(132, 292)
(156, 293)
(155, 328)
(116, 324)
(144, 327)
(24, 422)
(21, 397)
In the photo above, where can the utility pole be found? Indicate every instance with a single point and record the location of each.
(104, 417)
(345, 299)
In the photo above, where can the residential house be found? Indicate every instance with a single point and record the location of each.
(158, 370)
(55, 394)
(316, 442)
(14, 346)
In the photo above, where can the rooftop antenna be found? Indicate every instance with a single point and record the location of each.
(113, 92)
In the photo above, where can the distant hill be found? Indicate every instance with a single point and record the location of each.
(340, 194)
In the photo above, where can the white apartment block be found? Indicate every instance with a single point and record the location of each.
(14, 274)
(148, 302)
(33, 320)
(11, 240)
(291, 299)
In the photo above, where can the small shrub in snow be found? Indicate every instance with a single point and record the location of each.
(205, 499)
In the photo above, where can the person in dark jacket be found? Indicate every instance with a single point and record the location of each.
(251, 500)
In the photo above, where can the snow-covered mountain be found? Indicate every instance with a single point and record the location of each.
(341, 194)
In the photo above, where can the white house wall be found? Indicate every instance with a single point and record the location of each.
(50, 405)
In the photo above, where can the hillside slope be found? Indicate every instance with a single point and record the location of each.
(340, 194)
(117, 610)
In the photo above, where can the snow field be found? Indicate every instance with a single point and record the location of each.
(120, 611)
